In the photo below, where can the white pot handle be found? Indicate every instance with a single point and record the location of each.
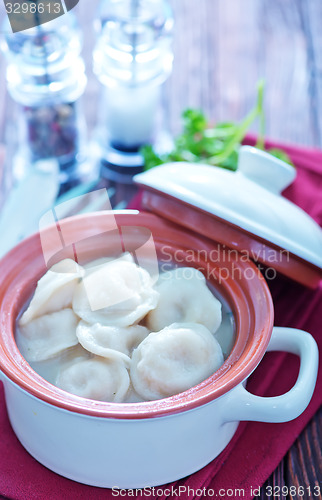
(243, 405)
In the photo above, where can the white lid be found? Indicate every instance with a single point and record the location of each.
(249, 198)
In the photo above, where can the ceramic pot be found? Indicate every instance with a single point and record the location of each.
(151, 443)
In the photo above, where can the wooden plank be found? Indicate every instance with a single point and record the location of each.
(222, 48)
(311, 18)
(210, 61)
(301, 467)
(91, 97)
(285, 55)
(303, 464)
(275, 483)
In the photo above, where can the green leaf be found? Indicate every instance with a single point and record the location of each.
(151, 159)
(240, 132)
(235, 139)
(260, 106)
(194, 121)
(217, 145)
(221, 131)
(281, 155)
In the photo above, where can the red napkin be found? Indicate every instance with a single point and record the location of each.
(257, 448)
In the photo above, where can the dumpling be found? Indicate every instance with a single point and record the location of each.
(118, 293)
(93, 264)
(111, 342)
(96, 378)
(184, 298)
(54, 290)
(45, 337)
(173, 360)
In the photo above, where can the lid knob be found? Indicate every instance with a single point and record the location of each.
(264, 169)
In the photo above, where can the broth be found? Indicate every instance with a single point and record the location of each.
(50, 368)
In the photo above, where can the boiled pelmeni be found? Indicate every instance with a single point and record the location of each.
(173, 360)
(45, 337)
(96, 378)
(54, 290)
(111, 342)
(185, 297)
(94, 264)
(118, 293)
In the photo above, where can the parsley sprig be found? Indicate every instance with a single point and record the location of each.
(218, 145)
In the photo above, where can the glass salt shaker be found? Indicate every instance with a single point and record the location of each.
(132, 59)
(46, 77)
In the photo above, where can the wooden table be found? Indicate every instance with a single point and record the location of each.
(222, 47)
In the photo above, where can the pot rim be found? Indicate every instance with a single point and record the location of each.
(250, 301)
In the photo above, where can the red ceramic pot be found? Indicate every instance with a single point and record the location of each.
(150, 443)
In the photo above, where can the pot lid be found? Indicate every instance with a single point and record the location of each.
(244, 210)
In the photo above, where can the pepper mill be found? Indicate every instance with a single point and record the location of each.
(46, 77)
(132, 58)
